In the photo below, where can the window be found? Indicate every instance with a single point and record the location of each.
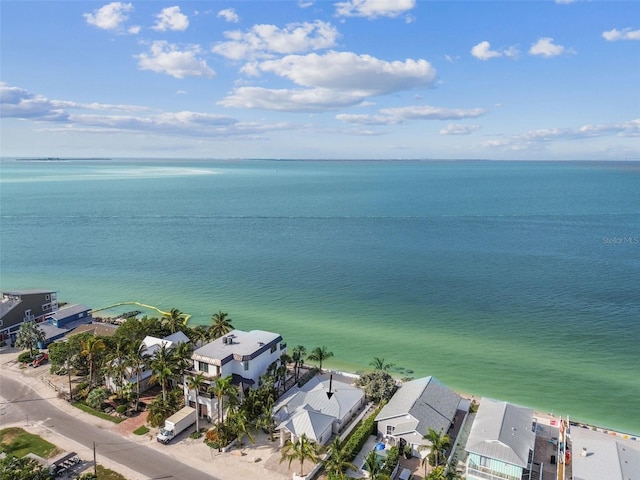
(484, 462)
(390, 429)
(245, 365)
(273, 348)
(204, 367)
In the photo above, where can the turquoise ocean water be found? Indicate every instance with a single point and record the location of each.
(518, 281)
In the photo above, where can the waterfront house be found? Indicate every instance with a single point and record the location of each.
(245, 356)
(501, 442)
(417, 406)
(598, 455)
(311, 411)
(149, 346)
(64, 320)
(19, 306)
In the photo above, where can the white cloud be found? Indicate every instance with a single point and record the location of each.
(164, 57)
(427, 112)
(546, 48)
(624, 34)
(290, 100)
(304, 4)
(264, 40)
(229, 14)
(333, 80)
(348, 71)
(171, 18)
(363, 119)
(483, 51)
(535, 138)
(110, 16)
(373, 8)
(459, 129)
(134, 30)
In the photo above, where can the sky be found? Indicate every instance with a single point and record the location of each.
(303, 79)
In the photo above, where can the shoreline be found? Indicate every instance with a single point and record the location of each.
(548, 418)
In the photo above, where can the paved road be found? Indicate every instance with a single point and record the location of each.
(26, 405)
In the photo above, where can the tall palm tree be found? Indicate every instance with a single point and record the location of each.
(222, 387)
(137, 360)
(174, 320)
(220, 325)
(92, 346)
(372, 464)
(378, 363)
(319, 354)
(240, 425)
(115, 364)
(297, 355)
(438, 445)
(195, 383)
(164, 365)
(29, 335)
(302, 449)
(338, 461)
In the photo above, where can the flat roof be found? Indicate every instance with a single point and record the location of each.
(243, 346)
(597, 455)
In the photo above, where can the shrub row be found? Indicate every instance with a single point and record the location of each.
(359, 436)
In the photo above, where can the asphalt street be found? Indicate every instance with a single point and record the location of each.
(22, 404)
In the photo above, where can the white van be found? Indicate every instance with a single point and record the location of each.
(405, 474)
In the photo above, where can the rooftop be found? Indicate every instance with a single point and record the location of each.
(236, 345)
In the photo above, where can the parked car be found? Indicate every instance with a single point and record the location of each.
(41, 358)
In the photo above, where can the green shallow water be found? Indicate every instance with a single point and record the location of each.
(500, 279)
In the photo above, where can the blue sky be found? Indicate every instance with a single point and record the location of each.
(551, 80)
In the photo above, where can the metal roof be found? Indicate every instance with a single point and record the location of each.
(502, 431)
(431, 404)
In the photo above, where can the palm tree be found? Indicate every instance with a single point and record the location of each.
(137, 360)
(320, 354)
(164, 366)
(174, 320)
(29, 335)
(115, 362)
(91, 348)
(195, 383)
(378, 363)
(222, 387)
(338, 461)
(302, 449)
(297, 355)
(438, 445)
(199, 335)
(372, 464)
(240, 425)
(220, 326)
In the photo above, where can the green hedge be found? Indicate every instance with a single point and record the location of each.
(359, 436)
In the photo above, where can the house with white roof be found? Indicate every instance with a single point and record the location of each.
(150, 345)
(501, 442)
(416, 407)
(245, 356)
(317, 410)
(598, 455)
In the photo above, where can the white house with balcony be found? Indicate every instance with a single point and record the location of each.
(245, 356)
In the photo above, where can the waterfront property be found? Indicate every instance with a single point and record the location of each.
(315, 411)
(598, 455)
(245, 356)
(64, 320)
(417, 406)
(501, 442)
(150, 345)
(20, 306)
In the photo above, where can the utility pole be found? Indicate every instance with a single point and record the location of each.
(95, 464)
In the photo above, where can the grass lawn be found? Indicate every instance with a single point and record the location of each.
(18, 442)
(96, 413)
(106, 474)
(141, 430)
